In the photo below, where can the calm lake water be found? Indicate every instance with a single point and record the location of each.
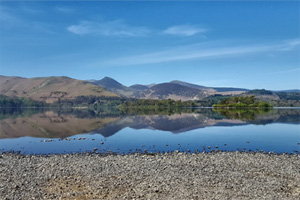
(69, 131)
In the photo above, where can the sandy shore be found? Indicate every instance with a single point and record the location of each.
(220, 175)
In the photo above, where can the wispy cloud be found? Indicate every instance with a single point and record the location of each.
(108, 28)
(195, 51)
(185, 30)
(18, 18)
(291, 44)
(120, 28)
(64, 9)
(6, 16)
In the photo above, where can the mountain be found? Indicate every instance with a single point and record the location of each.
(108, 82)
(267, 95)
(190, 85)
(264, 95)
(172, 91)
(294, 90)
(176, 89)
(230, 89)
(215, 90)
(114, 86)
(180, 90)
(139, 87)
(49, 89)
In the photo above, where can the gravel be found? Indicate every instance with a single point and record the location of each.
(217, 175)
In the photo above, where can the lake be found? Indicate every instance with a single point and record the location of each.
(29, 131)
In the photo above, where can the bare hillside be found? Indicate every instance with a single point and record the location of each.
(49, 89)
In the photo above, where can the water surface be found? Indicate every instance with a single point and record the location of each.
(60, 131)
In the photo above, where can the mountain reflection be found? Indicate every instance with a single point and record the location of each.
(50, 124)
(61, 123)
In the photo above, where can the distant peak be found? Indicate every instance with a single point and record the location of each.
(107, 77)
(108, 82)
(175, 81)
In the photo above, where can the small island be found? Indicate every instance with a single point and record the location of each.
(242, 102)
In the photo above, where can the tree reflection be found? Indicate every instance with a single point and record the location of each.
(242, 114)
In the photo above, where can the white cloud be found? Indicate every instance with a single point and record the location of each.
(185, 30)
(109, 28)
(195, 51)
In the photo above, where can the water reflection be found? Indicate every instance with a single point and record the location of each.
(50, 124)
(64, 123)
(243, 114)
(105, 130)
(262, 116)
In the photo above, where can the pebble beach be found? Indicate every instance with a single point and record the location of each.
(216, 175)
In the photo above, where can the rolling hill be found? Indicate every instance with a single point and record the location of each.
(49, 89)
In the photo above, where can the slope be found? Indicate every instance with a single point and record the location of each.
(49, 89)
(114, 86)
(172, 91)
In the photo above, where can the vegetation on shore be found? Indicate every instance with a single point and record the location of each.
(154, 103)
(170, 103)
(91, 102)
(242, 102)
(99, 103)
(12, 102)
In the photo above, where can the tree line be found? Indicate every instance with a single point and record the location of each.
(242, 102)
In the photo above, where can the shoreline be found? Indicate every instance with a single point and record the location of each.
(219, 175)
(144, 152)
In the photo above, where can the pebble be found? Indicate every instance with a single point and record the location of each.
(216, 175)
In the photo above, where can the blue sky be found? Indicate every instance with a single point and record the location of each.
(235, 43)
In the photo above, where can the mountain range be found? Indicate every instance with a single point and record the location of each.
(51, 89)
(177, 90)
